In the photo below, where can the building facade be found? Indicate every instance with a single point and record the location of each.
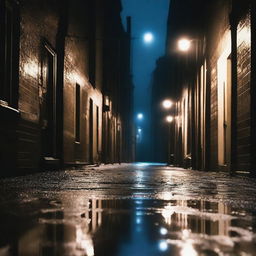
(212, 84)
(59, 60)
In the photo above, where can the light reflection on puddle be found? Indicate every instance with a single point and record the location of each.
(131, 227)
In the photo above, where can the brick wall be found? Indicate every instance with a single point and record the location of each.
(39, 21)
(213, 117)
(243, 93)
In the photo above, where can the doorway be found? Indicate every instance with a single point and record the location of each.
(224, 110)
(48, 103)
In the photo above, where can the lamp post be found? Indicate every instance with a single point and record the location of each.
(169, 120)
(190, 46)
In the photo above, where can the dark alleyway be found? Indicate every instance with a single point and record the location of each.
(132, 209)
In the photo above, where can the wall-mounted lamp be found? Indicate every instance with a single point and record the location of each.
(167, 104)
(169, 119)
(184, 44)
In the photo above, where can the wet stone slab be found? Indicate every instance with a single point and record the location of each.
(131, 210)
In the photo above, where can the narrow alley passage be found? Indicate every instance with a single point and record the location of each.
(129, 209)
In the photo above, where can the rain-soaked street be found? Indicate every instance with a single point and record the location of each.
(128, 210)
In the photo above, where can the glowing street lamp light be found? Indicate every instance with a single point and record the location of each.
(184, 44)
(167, 104)
(148, 38)
(140, 116)
(169, 119)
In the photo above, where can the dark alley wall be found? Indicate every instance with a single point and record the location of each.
(212, 84)
(64, 76)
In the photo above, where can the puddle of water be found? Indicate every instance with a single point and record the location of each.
(129, 227)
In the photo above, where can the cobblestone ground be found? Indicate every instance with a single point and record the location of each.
(128, 210)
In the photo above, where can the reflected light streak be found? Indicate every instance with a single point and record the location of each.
(185, 233)
(138, 202)
(139, 213)
(138, 220)
(167, 196)
(163, 231)
(188, 250)
(85, 242)
(163, 245)
(142, 164)
(167, 213)
(139, 174)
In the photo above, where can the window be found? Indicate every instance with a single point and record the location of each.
(9, 52)
(77, 114)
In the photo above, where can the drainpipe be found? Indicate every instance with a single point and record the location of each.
(233, 27)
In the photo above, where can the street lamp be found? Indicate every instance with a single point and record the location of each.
(167, 104)
(169, 119)
(184, 44)
(140, 116)
(148, 37)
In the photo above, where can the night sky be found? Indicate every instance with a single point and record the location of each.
(147, 16)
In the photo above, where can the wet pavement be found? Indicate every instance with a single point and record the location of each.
(128, 210)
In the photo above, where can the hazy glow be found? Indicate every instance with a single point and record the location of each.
(167, 213)
(169, 119)
(140, 116)
(188, 250)
(163, 246)
(166, 196)
(184, 44)
(185, 233)
(138, 202)
(142, 164)
(139, 130)
(138, 220)
(148, 37)
(167, 104)
(85, 242)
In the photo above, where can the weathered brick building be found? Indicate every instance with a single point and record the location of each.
(212, 84)
(63, 72)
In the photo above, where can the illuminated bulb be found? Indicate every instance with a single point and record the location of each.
(184, 45)
(148, 37)
(169, 119)
(140, 116)
(167, 104)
